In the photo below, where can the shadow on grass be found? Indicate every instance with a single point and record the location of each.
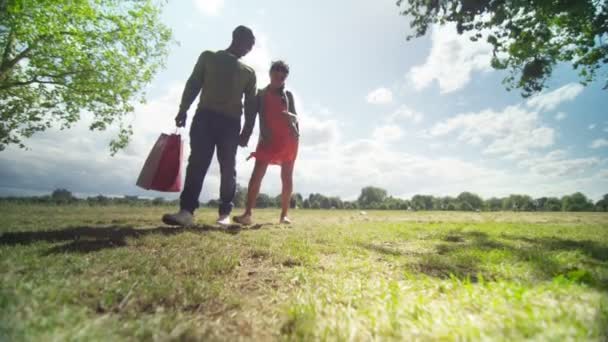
(464, 255)
(593, 249)
(91, 239)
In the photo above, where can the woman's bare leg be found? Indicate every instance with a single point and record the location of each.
(287, 180)
(259, 170)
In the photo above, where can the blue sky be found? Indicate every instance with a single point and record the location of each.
(427, 116)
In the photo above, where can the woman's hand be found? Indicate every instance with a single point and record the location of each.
(285, 112)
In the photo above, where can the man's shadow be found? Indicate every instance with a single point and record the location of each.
(88, 239)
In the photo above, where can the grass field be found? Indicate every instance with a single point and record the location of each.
(116, 273)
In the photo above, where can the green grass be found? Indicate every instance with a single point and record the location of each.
(115, 273)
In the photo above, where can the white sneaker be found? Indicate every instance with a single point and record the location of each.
(224, 220)
(285, 220)
(183, 218)
(243, 219)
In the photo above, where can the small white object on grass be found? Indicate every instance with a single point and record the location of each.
(362, 213)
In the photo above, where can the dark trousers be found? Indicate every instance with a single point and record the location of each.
(211, 130)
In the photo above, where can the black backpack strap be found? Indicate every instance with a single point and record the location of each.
(290, 102)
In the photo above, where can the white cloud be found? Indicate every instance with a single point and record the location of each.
(387, 133)
(380, 96)
(452, 60)
(551, 100)
(209, 7)
(599, 143)
(560, 116)
(317, 132)
(405, 113)
(591, 127)
(556, 164)
(349, 166)
(260, 58)
(512, 132)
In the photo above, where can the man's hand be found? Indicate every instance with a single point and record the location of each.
(180, 119)
(243, 140)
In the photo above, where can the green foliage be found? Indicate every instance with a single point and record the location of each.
(469, 201)
(240, 197)
(602, 205)
(422, 202)
(296, 201)
(62, 58)
(466, 201)
(576, 202)
(264, 201)
(518, 203)
(370, 195)
(552, 204)
(529, 38)
(493, 204)
(62, 196)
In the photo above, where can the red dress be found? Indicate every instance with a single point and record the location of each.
(283, 145)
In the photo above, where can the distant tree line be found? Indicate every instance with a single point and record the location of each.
(371, 198)
(65, 197)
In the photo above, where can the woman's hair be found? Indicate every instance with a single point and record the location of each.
(279, 66)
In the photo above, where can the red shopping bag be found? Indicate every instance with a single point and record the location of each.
(162, 169)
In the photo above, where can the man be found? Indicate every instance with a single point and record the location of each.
(223, 80)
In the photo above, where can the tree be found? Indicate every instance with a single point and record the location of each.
(264, 201)
(158, 201)
(276, 201)
(240, 196)
(445, 203)
(422, 202)
(58, 60)
(602, 205)
(62, 196)
(469, 201)
(493, 204)
(539, 203)
(529, 38)
(518, 203)
(552, 204)
(370, 195)
(296, 201)
(98, 200)
(325, 203)
(213, 203)
(576, 202)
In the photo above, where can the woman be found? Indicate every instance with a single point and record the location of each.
(278, 144)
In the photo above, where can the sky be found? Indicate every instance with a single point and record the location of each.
(427, 116)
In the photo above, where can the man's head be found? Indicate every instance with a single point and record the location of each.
(242, 41)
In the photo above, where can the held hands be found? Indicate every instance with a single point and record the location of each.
(243, 140)
(180, 119)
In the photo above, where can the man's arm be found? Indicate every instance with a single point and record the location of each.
(251, 110)
(191, 90)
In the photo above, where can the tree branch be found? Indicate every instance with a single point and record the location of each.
(40, 79)
(5, 68)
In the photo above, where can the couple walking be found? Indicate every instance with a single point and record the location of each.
(222, 81)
